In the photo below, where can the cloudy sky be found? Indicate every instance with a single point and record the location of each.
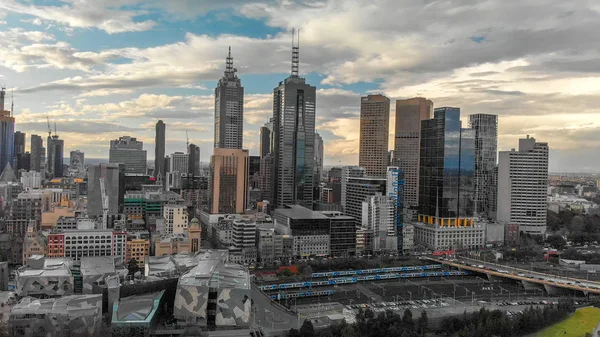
(105, 68)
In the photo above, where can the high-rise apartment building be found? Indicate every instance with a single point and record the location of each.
(374, 131)
(266, 138)
(178, 162)
(159, 149)
(228, 181)
(229, 109)
(522, 186)
(37, 153)
(294, 108)
(347, 173)
(409, 114)
(77, 160)
(7, 131)
(129, 151)
(378, 218)
(55, 156)
(486, 152)
(447, 166)
(114, 186)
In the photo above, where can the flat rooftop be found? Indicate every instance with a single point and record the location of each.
(74, 304)
(299, 212)
(137, 309)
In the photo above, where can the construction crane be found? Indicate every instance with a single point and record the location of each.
(49, 129)
(104, 201)
(187, 140)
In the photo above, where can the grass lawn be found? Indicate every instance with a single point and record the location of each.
(581, 322)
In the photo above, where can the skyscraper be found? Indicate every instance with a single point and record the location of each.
(114, 187)
(77, 160)
(318, 155)
(409, 114)
(266, 139)
(55, 156)
(374, 130)
(229, 181)
(347, 173)
(193, 159)
(7, 130)
(486, 146)
(37, 151)
(229, 109)
(178, 162)
(294, 106)
(129, 151)
(159, 149)
(19, 143)
(522, 186)
(447, 167)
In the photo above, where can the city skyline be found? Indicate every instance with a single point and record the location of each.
(165, 64)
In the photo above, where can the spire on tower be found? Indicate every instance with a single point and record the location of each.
(295, 53)
(229, 70)
(12, 103)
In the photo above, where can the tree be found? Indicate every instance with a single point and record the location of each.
(553, 222)
(307, 329)
(556, 241)
(422, 323)
(348, 331)
(294, 333)
(132, 267)
(287, 272)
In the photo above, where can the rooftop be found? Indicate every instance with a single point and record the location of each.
(213, 270)
(299, 212)
(98, 265)
(136, 309)
(75, 304)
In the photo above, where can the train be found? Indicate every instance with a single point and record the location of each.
(356, 279)
(282, 296)
(375, 271)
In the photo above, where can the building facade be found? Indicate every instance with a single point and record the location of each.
(229, 109)
(130, 152)
(193, 160)
(113, 176)
(310, 230)
(374, 130)
(176, 219)
(83, 243)
(37, 153)
(523, 186)
(486, 153)
(266, 138)
(159, 149)
(348, 172)
(7, 131)
(468, 236)
(55, 156)
(357, 192)
(409, 114)
(379, 219)
(229, 170)
(77, 160)
(178, 162)
(294, 108)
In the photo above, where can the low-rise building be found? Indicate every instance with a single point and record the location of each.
(187, 242)
(134, 313)
(95, 271)
(468, 235)
(408, 238)
(33, 244)
(310, 230)
(81, 243)
(45, 277)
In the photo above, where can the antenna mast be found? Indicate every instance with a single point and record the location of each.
(187, 139)
(49, 129)
(12, 103)
(229, 70)
(295, 53)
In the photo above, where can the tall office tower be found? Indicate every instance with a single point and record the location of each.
(358, 191)
(318, 154)
(395, 192)
(55, 157)
(229, 109)
(522, 186)
(114, 186)
(447, 167)
(178, 162)
(37, 151)
(486, 149)
(193, 159)
(374, 131)
(7, 131)
(77, 160)
(347, 173)
(294, 106)
(378, 217)
(266, 138)
(409, 114)
(266, 177)
(229, 181)
(129, 151)
(159, 149)
(19, 143)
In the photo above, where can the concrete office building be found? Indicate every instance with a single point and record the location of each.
(88, 243)
(129, 151)
(37, 151)
(442, 237)
(159, 149)
(379, 218)
(342, 235)
(310, 230)
(486, 152)
(114, 176)
(409, 114)
(31, 180)
(294, 108)
(55, 156)
(374, 130)
(178, 163)
(228, 181)
(244, 242)
(229, 109)
(7, 131)
(77, 160)
(348, 172)
(357, 191)
(266, 138)
(318, 156)
(176, 219)
(522, 186)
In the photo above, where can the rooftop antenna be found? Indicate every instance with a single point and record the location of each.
(187, 139)
(295, 53)
(12, 103)
(229, 70)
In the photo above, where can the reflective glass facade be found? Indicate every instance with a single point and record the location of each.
(447, 162)
(7, 131)
(486, 152)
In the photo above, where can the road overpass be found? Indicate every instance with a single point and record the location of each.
(552, 284)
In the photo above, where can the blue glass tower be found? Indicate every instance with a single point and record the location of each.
(447, 164)
(7, 131)
(395, 190)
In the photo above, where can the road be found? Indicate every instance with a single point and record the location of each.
(521, 274)
(272, 317)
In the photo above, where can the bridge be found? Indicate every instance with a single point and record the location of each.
(552, 284)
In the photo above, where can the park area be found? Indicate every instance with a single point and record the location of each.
(580, 323)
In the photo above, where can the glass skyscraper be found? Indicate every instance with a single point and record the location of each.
(447, 163)
(7, 131)
(294, 106)
(229, 109)
(486, 153)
